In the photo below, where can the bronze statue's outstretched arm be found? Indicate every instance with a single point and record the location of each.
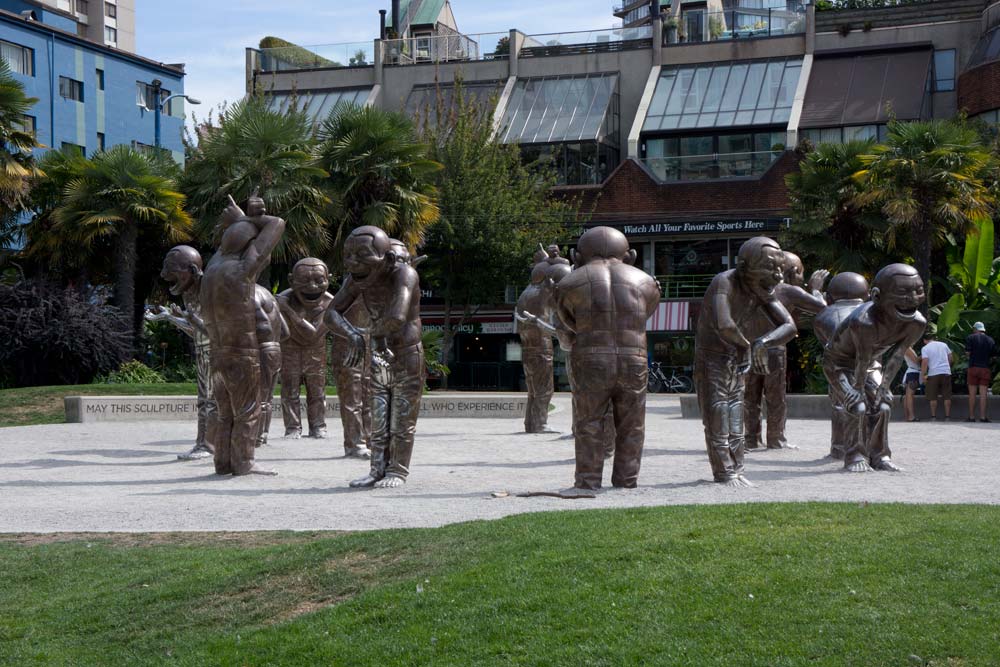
(796, 298)
(259, 252)
(175, 316)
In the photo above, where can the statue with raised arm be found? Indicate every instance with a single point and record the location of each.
(536, 350)
(846, 292)
(873, 335)
(303, 354)
(801, 302)
(389, 292)
(229, 303)
(605, 303)
(182, 270)
(725, 349)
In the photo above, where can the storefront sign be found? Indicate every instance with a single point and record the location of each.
(497, 327)
(748, 226)
(477, 328)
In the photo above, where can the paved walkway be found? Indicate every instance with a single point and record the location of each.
(125, 477)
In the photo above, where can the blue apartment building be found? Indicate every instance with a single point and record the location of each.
(90, 95)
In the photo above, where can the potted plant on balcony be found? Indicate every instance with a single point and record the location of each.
(715, 27)
(670, 26)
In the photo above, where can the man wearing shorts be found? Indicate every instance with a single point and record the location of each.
(980, 348)
(935, 371)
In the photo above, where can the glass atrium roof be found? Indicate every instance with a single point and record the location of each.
(319, 104)
(724, 94)
(562, 109)
(422, 102)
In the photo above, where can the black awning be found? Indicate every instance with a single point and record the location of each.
(867, 88)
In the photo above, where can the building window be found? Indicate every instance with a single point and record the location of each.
(20, 58)
(100, 79)
(81, 30)
(71, 88)
(100, 141)
(110, 34)
(81, 6)
(710, 156)
(143, 148)
(944, 70)
(110, 10)
(24, 124)
(76, 148)
(145, 96)
(841, 135)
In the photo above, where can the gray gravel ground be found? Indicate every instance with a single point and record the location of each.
(125, 477)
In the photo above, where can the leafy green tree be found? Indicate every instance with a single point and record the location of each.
(494, 212)
(831, 229)
(380, 172)
(253, 145)
(17, 167)
(121, 198)
(927, 180)
(974, 279)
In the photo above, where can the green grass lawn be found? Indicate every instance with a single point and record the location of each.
(768, 585)
(44, 405)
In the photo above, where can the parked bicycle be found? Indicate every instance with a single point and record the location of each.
(658, 381)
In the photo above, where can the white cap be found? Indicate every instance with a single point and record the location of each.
(979, 326)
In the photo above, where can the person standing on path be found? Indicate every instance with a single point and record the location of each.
(980, 348)
(911, 382)
(935, 373)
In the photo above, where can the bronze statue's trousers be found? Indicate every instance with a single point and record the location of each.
(537, 363)
(396, 391)
(303, 365)
(768, 389)
(207, 408)
(615, 382)
(720, 398)
(609, 417)
(236, 381)
(270, 368)
(840, 427)
(354, 393)
(866, 428)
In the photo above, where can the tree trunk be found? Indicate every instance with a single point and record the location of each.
(922, 246)
(124, 266)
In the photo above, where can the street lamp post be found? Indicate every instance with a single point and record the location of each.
(158, 105)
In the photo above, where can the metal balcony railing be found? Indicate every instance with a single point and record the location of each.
(685, 286)
(586, 41)
(453, 47)
(699, 25)
(709, 167)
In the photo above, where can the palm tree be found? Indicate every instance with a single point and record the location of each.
(831, 230)
(928, 182)
(381, 172)
(17, 166)
(254, 145)
(117, 196)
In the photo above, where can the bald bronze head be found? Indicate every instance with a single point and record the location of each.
(794, 271)
(847, 286)
(759, 265)
(181, 270)
(539, 273)
(898, 291)
(364, 250)
(309, 280)
(602, 243)
(399, 249)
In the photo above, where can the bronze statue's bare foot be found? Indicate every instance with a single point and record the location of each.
(390, 482)
(577, 492)
(318, 433)
(365, 482)
(357, 453)
(293, 433)
(858, 466)
(783, 445)
(198, 452)
(886, 465)
(255, 469)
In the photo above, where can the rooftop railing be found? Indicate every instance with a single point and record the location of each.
(453, 47)
(740, 23)
(324, 56)
(710, 167)
(587, 41)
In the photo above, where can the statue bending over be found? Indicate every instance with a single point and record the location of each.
(389, 291)
(875, 333)
(724, 353)
(605, 303)
(182, 271)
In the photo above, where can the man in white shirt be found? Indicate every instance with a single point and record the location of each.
(935, 372)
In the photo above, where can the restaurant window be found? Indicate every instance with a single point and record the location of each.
(709, 156)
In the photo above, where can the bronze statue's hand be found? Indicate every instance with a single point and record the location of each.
(355, 354)
(160, 314)
(177, 311)
(853, 398)
(758, 358)
(818, 279)
(733, 335)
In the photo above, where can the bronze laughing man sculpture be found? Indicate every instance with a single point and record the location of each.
(770, 389)
(605, 303)
(272, 330)
(229, 310)
(846, 292)
(182, 270)
(724, 354)
(390, 293)
(536, 350)
(303, 354)
(887, 325)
